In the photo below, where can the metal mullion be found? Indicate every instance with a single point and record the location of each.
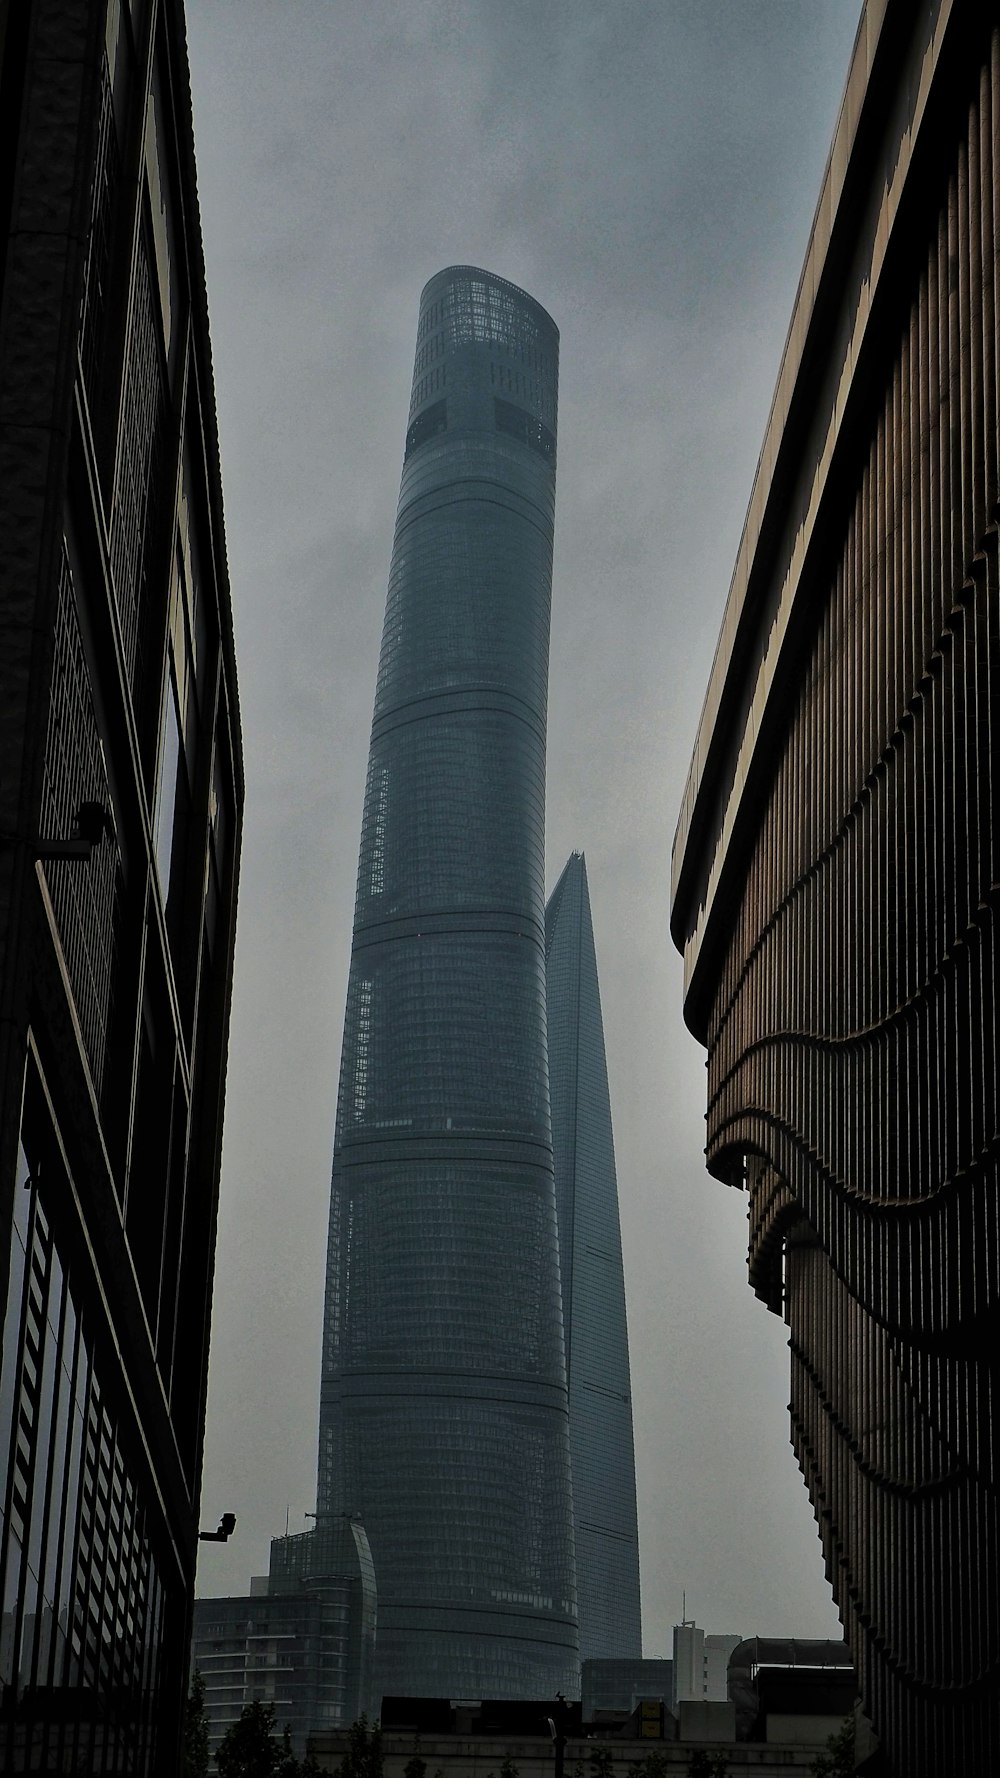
(990, 226)
(976, 286)
(964, 344)
(856, 779)
(935, 560)
(872, 569)
(953, 516)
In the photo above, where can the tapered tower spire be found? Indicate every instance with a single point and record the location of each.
(444, 1407)
(600, 1398)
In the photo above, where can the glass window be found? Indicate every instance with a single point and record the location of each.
(166, 792)
(12, 1313)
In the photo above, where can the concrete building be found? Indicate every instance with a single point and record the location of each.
(443, 1411)
(700, 1664)
(120, 813)
(835, 878)
(593, 1288)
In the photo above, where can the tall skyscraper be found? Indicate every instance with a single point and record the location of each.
(120, 813)
(593, 1288)
(836, 878)
(443, 1417)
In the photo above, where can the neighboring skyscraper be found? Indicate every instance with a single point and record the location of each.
(443, 1418)
(593, 1288)
(836, 873)
(120, 810)
(303, 1639)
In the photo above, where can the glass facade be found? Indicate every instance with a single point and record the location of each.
(444, 1409)
(600, 1400)
(121, 811)
(82, 1599)
(302, 1640)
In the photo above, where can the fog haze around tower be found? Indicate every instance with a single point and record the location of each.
(649, 173)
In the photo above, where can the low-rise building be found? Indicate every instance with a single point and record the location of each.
(700, 1664)
(616, 1686)
(477, 1740)
(302, 1639)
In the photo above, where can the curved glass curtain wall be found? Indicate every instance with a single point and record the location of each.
(444, 1410)
(593, 1284)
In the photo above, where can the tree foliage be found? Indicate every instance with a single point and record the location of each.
(655, 1765)
(415, 1767)
(508, 1769)
(702, 1764)
(194, 1760)
(249, 1749)
(363, 1758)
(838, 1760)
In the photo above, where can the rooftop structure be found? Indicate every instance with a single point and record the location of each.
(700, 1664)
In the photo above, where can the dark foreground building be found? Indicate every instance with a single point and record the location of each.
(593, 1287)
(443, 1418)
(836, 878)
(120, 805)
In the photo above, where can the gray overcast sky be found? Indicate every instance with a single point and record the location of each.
(647, 169)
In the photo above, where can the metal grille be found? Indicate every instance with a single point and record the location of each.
(466, 306)
(854, 1007)
(85, 897)
(140, 450)
(95, 286)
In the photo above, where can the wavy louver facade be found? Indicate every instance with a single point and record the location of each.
(593, 1284)
(836, 879)
(443, 1417)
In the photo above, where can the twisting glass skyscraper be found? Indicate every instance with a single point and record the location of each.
(593, 1286)
(443, 1417)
